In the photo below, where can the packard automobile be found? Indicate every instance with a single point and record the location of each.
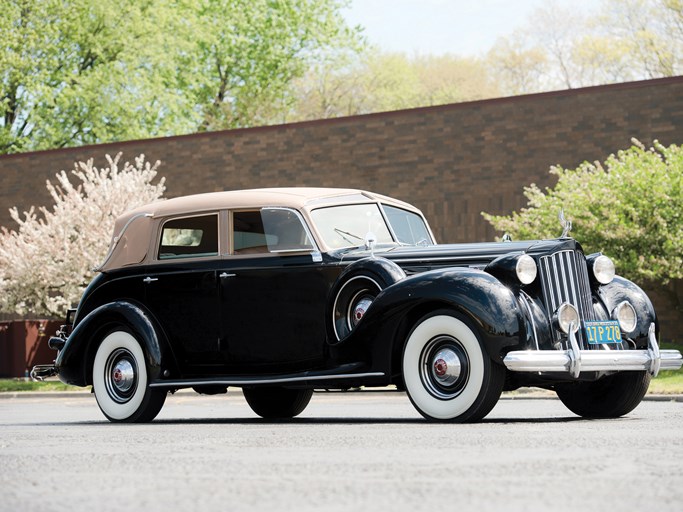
(281, 292)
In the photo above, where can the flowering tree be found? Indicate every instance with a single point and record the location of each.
(46, 264)
(631, 208)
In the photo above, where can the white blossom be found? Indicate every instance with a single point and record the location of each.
(46, 264)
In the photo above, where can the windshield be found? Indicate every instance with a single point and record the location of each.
(409, 227)
(348, 226)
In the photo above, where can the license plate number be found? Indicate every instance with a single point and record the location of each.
(602, 332)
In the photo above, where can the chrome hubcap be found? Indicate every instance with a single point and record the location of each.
(446, 366)
(123, 375)
(120, 375)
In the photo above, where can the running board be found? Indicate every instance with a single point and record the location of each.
(258, 381)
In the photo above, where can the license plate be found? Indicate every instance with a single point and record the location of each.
(602, 332)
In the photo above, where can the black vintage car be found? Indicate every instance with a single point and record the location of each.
(283, 291)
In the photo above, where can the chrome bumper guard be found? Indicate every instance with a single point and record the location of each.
(576, 361)
(43, 371)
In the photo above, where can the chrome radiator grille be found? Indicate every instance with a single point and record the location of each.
(564, 277)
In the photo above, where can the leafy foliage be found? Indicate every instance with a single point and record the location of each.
(84, 71)
(630, 207)
(46, 264)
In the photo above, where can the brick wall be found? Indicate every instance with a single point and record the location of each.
(452, 161)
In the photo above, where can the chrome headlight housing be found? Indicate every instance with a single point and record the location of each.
(566, 317)
(626, 315)
(602, 267)
(526, 269)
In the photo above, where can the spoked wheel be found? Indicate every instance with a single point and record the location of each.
(447, 373)
(272, 403)
(120, 380)
(608, 397)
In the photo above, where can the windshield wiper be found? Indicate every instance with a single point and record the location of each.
(344, 233)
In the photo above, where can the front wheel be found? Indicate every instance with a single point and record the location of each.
(447, 373)
(272, 403)
(608, 397)
(120, 380)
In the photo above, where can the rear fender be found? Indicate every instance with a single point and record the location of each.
(74, 361)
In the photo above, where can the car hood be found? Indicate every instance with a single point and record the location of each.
(418, 259)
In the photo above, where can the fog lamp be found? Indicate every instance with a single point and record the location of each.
(625, 314)
(567, 317)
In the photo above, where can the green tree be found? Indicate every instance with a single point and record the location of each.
(83, 71)
(630, 207)
(250, 52)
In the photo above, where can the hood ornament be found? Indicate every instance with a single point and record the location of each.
(565, 223)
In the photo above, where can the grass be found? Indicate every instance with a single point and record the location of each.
(667, 383)
(13, 385)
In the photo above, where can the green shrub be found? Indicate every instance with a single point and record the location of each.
(630, 208)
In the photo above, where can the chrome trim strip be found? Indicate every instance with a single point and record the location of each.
(246, 381)
(525, 299)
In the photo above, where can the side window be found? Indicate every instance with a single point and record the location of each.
(249, 235)
(190, 237)
(269, 230)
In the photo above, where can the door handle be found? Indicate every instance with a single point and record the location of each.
(225, 274)
(148, 280)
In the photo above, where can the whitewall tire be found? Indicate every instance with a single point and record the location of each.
(120, 380)
(447, 373)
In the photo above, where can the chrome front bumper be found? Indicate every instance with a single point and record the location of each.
(575, 361)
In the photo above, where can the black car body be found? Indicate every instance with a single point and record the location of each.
(283, 291)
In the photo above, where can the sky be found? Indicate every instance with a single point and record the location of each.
(461, 27)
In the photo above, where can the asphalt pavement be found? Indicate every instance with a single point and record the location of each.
(353, 451)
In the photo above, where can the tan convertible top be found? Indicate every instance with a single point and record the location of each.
(133, 229)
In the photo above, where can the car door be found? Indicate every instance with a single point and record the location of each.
(181, 289)
(273, 289)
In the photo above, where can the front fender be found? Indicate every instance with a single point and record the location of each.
(477, 297)
(620, 289)
(75, 359)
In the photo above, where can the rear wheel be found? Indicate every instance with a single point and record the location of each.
(608, 397)
(120, 380)
(274, 403)
(447, 373)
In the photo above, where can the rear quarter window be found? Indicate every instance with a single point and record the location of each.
(189, 237)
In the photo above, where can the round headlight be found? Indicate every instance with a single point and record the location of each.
(626, 316)
(567, 316)
(603, 269)
(526, 269)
